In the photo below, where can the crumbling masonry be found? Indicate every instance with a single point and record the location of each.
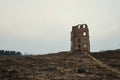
(80, 39)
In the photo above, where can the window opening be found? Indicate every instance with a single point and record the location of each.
(78, 26)
(78, 45)
(84, 33)
(83, 26)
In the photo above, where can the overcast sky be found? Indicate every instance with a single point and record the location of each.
(43, 26)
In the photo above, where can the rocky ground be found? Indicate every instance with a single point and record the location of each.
(59, 66)
(111, 57)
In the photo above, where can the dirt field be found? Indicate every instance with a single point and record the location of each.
(59, 66)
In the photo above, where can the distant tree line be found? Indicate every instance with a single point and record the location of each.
(9, 53)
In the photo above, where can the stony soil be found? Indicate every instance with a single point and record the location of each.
(111, 58)
(60, 66)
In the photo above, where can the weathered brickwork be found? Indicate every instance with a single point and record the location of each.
(80, 39)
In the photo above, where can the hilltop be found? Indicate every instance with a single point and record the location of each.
(60, 66)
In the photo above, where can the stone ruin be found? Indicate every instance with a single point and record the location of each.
(80, 39)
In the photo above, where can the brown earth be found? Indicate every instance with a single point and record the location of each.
(111, 57)
(59, 66)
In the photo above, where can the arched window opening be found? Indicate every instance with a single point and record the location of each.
(83, 26)
(78, 26)
(84, 34)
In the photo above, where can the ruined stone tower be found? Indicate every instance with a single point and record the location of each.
(80, 39)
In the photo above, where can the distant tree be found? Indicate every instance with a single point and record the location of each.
(6, 53)
(12, 53)
(0, 52)
(18, 53)
(3, 52)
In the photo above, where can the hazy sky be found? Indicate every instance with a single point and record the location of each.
(43, 26)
